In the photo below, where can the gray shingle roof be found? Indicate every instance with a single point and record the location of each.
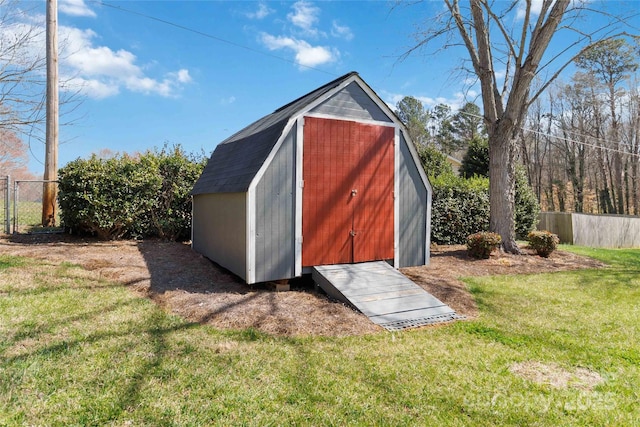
(237, 159)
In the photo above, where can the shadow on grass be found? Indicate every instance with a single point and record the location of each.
(171, 267)
(147, 337)
(174, 266)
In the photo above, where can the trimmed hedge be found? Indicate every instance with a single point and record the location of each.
(129, 197)
(460, 208)
(171, 216)
(480, 245)
(543, 242)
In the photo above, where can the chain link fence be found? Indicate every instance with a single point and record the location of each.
(27, 208)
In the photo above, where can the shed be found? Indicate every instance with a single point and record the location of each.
(330, 178)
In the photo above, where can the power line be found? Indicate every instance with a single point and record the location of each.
(600, 147)
(209, 36)
(281, 58)
(549, 135)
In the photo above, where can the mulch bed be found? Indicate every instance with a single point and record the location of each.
(189, 285)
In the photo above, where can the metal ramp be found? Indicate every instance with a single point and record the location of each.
(383, 294)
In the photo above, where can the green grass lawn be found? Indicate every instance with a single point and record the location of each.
(79, 350)
(30, 218)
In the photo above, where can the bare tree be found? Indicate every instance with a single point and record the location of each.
(535, 146)
(631, 139)
(22, 66)
(23, 73)
(14, 156)
(612, 61)
(573, 116)
(495, 41)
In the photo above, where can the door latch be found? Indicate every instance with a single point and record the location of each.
(353, 193)
(352, 233)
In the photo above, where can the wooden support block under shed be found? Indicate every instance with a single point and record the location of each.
(279, 285)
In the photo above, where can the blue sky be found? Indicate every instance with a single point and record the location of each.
(195, 72)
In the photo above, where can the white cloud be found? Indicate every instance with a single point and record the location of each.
(96, 61)
(456, 102)
(306, 54)
(182, 76)
(341, 31)
(470, 81)
(97, 71)
(27, 42)
(75, 8)
(305, 16)
(92, 88)
(262, 12)
(227, 101)
(102, 71)
(536, 7)
(500, 74)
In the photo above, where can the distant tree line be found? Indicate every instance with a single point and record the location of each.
(460, 200)
(448, 131)
(580, 145)
(581, 142)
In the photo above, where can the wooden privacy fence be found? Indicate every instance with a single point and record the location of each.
(596, 231)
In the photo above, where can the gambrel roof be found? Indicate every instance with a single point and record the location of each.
(237, 159)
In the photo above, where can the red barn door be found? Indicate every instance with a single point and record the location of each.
(347, 203)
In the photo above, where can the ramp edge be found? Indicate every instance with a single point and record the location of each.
(324, 277)
(422, 321)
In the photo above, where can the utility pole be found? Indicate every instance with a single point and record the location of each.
(50, 188)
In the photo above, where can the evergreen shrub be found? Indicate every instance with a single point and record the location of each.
(460, 207)
(129, 196)
(543, 242)
(481, 244)
(527, 208)
(433, 161)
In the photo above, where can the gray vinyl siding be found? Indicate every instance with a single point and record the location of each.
(352, 102)
(413, 210)
(220, 230)
(275, 205)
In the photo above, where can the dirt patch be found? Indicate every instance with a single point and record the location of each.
(557, 377)
(187, 284)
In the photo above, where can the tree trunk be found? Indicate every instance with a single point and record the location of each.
(618, 180)
(502, 188)
(562, 195)
(549, 191)
(579, 184)
(634, 187)
(626, 188)
(604, 195)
